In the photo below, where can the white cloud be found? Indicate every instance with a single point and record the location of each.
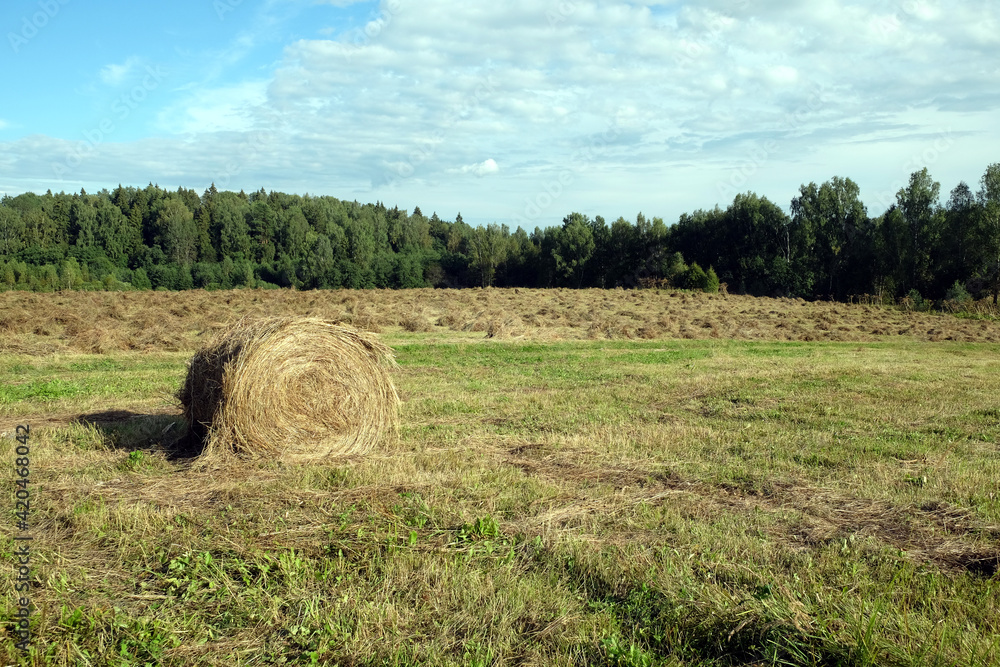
(225, 109)
(634, 105)
(782, 75)
(481, 169)
(115, 74)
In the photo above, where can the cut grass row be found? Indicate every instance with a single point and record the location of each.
(174, 321)
(608, 502)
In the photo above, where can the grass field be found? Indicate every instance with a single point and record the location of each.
(563, 492)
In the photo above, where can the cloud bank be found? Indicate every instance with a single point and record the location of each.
(662, 107)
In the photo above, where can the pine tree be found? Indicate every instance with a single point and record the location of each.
(696, 277)
(711, 281)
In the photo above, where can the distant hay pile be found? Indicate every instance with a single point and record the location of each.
(295, 389)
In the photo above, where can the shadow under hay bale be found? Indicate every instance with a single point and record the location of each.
(295, 389)
(159, 431)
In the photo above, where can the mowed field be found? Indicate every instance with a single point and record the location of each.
(582, 478)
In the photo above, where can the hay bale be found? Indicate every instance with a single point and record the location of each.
(296, 389)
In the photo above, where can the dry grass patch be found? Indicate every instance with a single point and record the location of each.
(106, 322)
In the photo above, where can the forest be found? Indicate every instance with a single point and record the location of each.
(826, 247)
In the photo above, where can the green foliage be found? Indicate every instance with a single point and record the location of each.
(206, 275)
(241, 274)
(488, 249)
(229, 227)
(827, 234)
(12, 231)
(7, 276)
(49, 280)
(83, 222)
(674, 269)
(117, 236)
(140, 280)
(137, 460)
(958, 294)
(696, 278)
(618, 652)
(110, 284)
(574, 245)
(43, 390)
(184, 278)
(70, 276)
(409, 270)
(176, 231)
(922, 221)
(164, 276)
(711, 281)
(914, 301)
(125, 639)
(827, 247)
(483, 528)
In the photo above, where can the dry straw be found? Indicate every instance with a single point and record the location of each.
(296, 389)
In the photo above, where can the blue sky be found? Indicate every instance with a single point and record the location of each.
(518, 111)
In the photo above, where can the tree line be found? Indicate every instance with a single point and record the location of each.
(828, 246)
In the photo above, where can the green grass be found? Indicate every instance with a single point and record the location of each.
(598, 503)
(61, 383)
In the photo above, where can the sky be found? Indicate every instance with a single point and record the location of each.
(514, 111)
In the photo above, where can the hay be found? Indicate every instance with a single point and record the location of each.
(295, 389)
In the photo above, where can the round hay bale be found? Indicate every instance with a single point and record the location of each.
(295, 389)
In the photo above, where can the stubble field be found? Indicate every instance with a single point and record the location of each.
(582, 478)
